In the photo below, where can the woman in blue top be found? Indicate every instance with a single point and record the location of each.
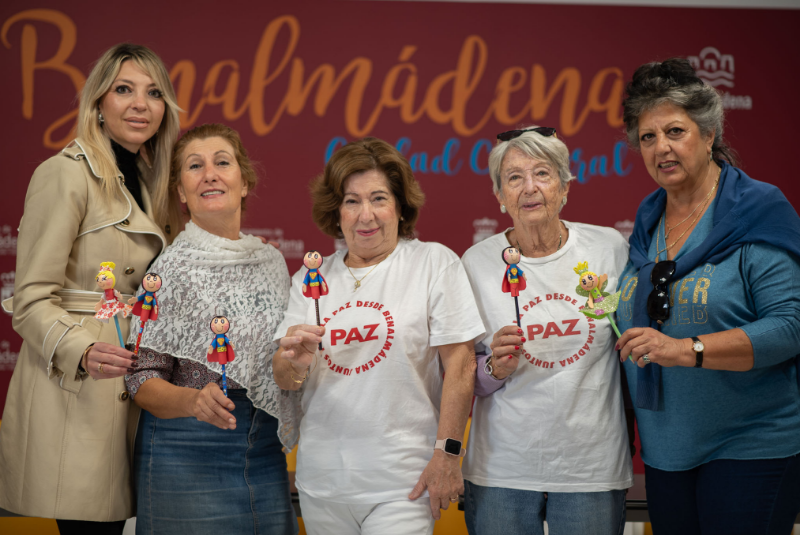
(711, 312)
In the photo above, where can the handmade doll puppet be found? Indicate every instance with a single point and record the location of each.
(599, 304)
(314, 284)
(514, 280)
(221, 349)
(110, 304)
(146, 305)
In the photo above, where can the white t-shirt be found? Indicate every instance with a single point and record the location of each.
(371, 407)
(558, 423)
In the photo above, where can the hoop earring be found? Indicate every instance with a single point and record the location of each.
(503, 209)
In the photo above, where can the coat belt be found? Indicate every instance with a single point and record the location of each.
(72, 300)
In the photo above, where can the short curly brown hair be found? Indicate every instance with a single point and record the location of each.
(205, 131)
(327, 190)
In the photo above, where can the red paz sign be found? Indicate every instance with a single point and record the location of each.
(437, 80)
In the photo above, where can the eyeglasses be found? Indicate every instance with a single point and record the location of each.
(541, 130)
(658, 300)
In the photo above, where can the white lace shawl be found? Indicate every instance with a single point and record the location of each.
(205, 275)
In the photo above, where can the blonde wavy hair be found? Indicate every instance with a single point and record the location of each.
(156, 152)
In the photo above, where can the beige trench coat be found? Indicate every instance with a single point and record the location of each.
(66, 440)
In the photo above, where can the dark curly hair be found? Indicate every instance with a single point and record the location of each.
(327, 190)
(675, 81)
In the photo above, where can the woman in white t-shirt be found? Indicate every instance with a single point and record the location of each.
(548, 438)
(380, 439)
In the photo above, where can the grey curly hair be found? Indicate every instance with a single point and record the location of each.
(674, 81)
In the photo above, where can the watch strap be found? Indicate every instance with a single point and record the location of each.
(698, 355)
(439, 445)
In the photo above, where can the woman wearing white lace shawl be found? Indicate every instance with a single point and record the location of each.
(229, 476)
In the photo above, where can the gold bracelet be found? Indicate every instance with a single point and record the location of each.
(83, 362)
(295, 379)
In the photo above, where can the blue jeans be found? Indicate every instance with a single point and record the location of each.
(192, 477)
(493, 510)
(759, 497)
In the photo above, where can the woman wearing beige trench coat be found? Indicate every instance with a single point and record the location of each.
(66, 440)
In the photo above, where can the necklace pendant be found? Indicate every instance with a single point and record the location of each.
(357, 285)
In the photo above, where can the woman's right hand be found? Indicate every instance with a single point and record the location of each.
(506, 349)
(210, 405)
(116, 361)
(300, 344)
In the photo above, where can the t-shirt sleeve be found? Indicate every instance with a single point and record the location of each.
(296, 309)
(452, 313)
(772, 278)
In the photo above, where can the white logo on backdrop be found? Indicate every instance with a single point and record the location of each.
(8, 242)
(716, 70)
(713, 68)
(625, 228)
(8, 358)
(484, 228)
(289, 248)
(7, 290)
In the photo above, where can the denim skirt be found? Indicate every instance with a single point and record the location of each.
(192, 477)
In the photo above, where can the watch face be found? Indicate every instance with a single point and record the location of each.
(453, 447)
(698, 346)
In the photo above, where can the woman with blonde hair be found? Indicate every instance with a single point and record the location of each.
(65, 442)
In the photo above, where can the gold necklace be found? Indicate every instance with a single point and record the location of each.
(664, 218)
(557, 248)
(668, 229)
(659, 250)
(357, 285)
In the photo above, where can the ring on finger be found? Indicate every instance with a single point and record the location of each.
(100, 367)
(646, 358)
(454, 499)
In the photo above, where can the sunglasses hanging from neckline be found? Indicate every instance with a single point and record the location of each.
(658, 300)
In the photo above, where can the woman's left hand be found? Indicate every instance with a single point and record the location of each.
(442, 477)
(659, 348)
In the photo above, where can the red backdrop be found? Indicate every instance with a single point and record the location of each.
(437, 79)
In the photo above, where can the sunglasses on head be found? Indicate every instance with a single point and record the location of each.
(658, 300)
(541, 130)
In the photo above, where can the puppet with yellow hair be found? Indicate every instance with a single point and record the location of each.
(599, 303)
(110, 304)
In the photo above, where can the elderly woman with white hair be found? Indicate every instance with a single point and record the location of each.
(548, 438)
